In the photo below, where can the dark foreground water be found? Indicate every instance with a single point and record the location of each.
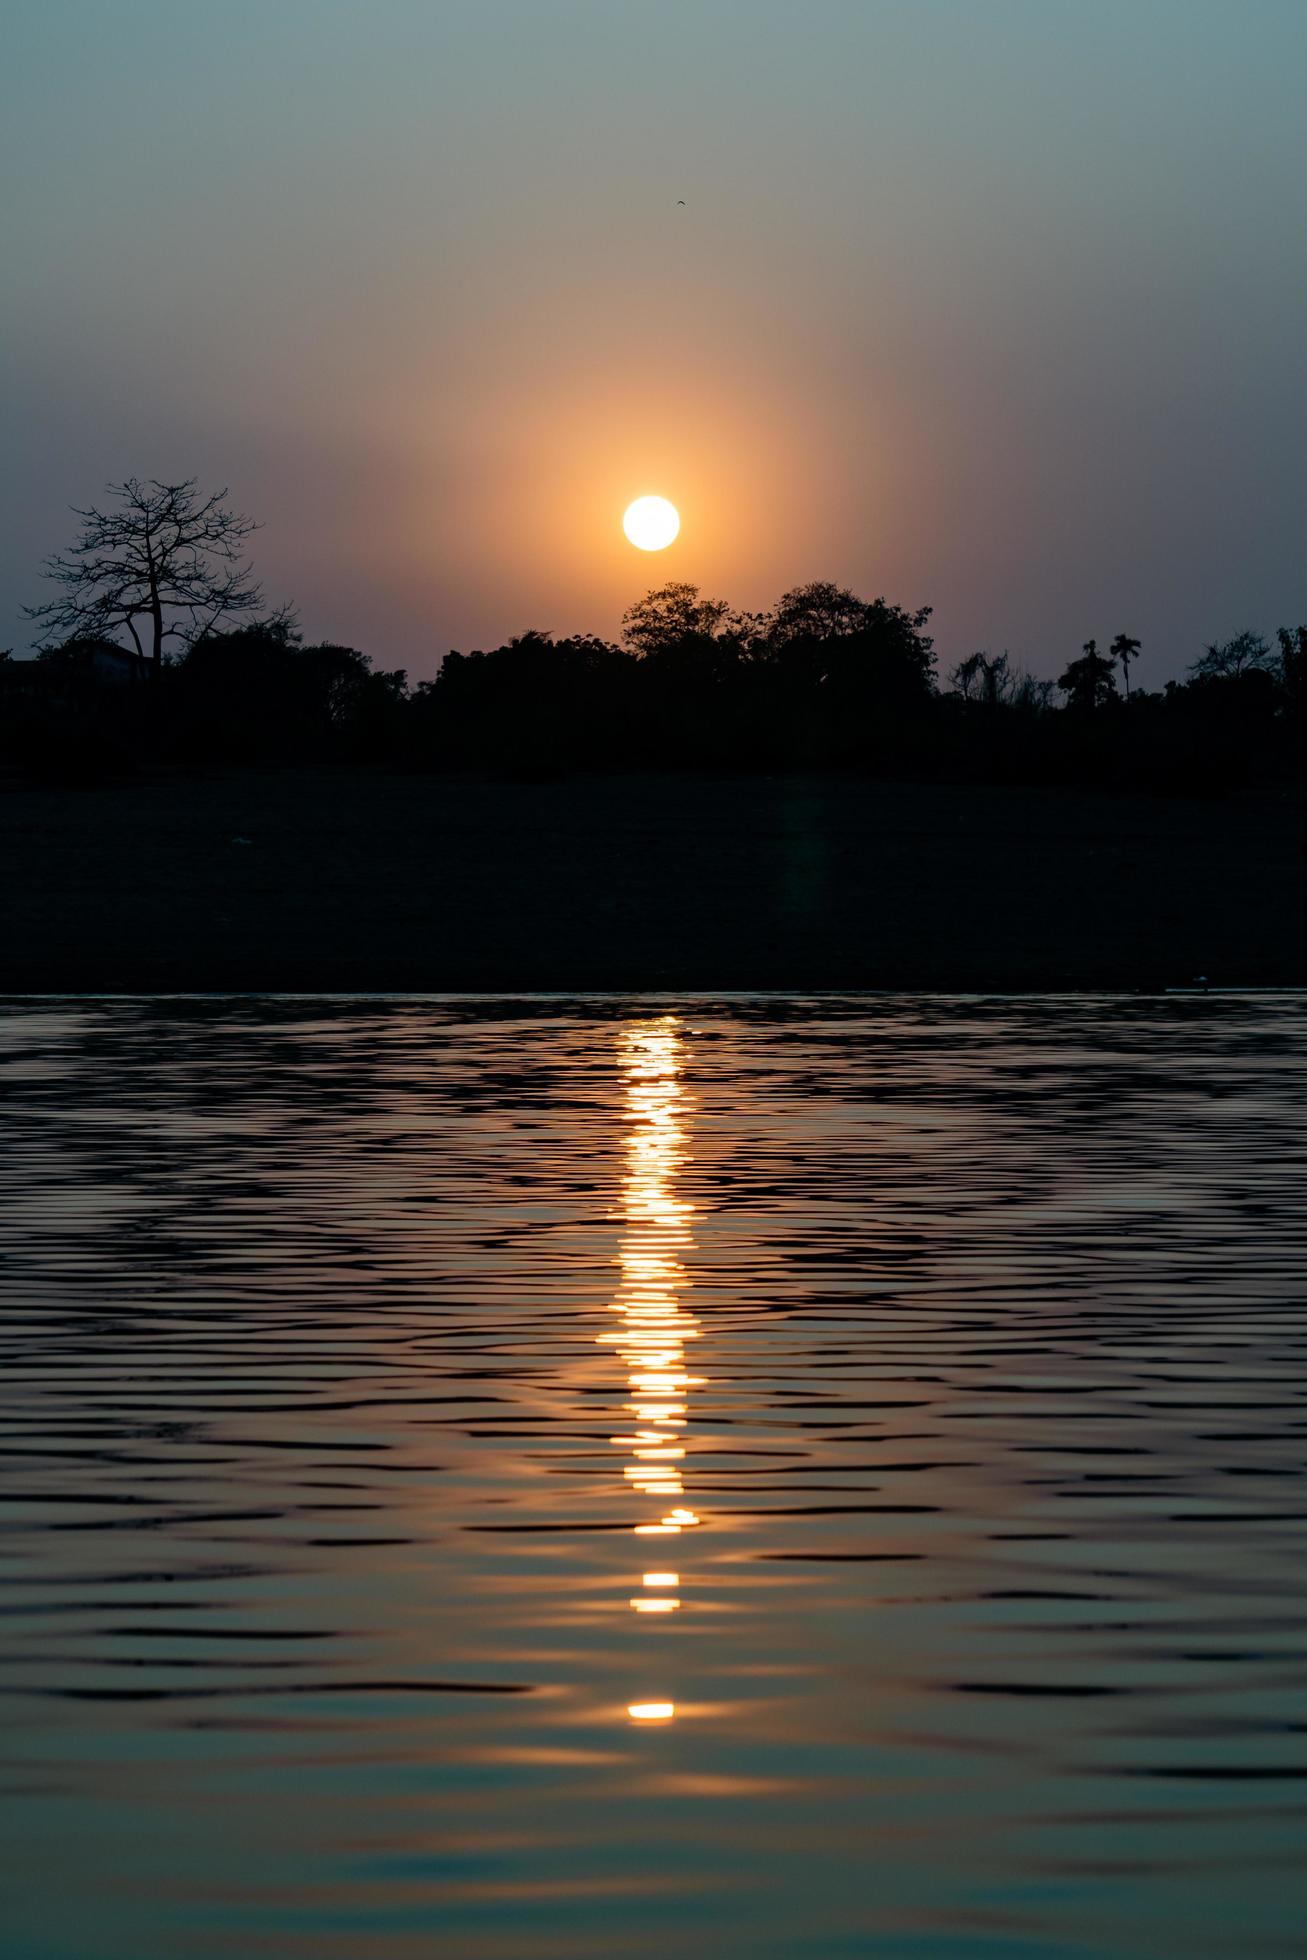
(606, 1478)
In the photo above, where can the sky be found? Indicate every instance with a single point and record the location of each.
(997, 306)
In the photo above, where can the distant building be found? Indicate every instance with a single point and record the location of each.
(101, 661)
(116, 666)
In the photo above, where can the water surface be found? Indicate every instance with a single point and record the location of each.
(551, 1478)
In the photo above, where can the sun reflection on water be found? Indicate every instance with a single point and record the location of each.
(652, 1328)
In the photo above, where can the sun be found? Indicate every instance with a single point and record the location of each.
(651, 523)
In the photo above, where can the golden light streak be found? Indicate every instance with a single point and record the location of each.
(652, 1327)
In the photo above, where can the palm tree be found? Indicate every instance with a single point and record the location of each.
(1125, 649)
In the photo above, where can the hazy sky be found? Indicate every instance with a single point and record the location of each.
(996, 305)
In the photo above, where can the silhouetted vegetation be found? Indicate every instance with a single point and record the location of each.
(161, 563)
(165, 663)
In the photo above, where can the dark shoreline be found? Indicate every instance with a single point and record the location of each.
(373, 882)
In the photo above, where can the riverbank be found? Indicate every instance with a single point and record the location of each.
(322, 881)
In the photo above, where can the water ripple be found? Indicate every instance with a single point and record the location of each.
(550, 1477)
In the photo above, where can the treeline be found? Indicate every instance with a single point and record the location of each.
(159, 652)
(825, 680)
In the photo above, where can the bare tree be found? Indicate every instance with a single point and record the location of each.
(968, 677)
(1246, 653)
(162, 562)
(984, 677)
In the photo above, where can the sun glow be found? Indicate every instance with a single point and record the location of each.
(651, 523)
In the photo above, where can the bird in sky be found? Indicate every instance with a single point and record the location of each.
(680, 200)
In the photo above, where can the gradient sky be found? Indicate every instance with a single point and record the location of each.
(995, 305)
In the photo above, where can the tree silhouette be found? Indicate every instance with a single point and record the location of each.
(1246, 653)
(860, 655)
(967, 678)
(983, 677)
(824, 680)
(1125, 650)
(672, 616)
(1088, 683)
(161, 561)
(1293, 665)
(820, 611)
